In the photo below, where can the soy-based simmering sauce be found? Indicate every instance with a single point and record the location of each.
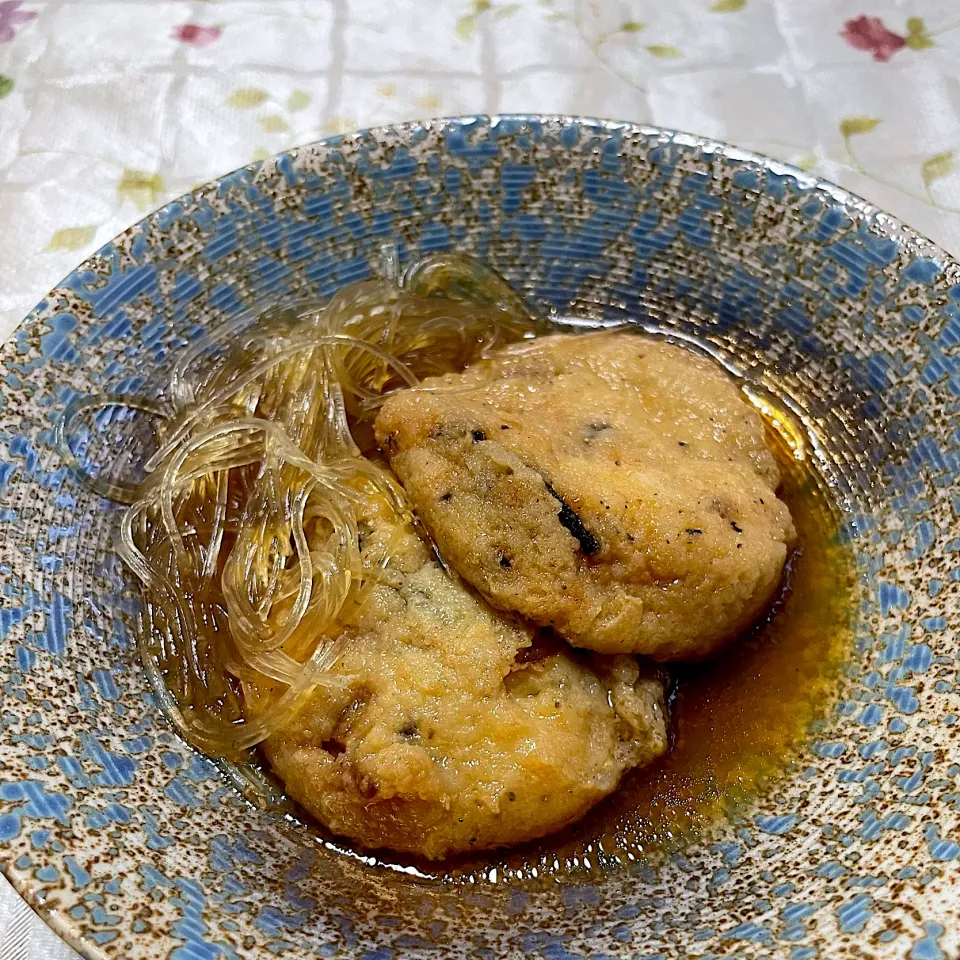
(740, 718)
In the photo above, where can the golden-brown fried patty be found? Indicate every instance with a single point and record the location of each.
(452, 730)
(612, 486)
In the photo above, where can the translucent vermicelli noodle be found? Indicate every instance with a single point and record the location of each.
(244, 531)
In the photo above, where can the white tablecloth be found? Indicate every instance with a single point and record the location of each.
(110, 108)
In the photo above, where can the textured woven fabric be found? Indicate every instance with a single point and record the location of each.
(110, 108)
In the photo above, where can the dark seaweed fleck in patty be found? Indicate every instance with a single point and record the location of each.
(589, 544)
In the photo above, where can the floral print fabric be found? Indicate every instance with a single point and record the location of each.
(10, 17)
(111, 107)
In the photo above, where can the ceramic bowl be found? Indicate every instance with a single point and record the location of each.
(134, 846)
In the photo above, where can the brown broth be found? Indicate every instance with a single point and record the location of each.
(739, 718)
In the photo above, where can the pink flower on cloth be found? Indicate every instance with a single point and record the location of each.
(196, 35)
(869, 33)
(11, 16)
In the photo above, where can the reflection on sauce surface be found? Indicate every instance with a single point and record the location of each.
(737, 720)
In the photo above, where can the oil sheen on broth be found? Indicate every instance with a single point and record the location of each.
(737, 720)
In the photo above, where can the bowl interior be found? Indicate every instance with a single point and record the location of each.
(134, 846)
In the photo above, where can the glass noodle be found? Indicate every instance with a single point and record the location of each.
(244, 531)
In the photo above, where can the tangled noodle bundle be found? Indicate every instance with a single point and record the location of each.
(244, 531)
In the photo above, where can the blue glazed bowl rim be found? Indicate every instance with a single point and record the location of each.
(890, 225)
(884, 223)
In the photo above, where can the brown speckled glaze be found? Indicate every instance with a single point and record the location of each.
(133, 846)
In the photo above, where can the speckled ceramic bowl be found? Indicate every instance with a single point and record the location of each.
(133, 846)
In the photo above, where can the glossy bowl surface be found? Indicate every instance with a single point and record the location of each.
(133, 846)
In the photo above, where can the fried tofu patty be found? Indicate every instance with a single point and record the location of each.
(448, 727)
(612, 486)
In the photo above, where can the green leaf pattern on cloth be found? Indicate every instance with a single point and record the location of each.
(851, 126)
(937, 167)
(273, 123)
(143, 189)
(917, 37)
(663, 51)
(72, 238)
(246, 97)
(297, 100)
